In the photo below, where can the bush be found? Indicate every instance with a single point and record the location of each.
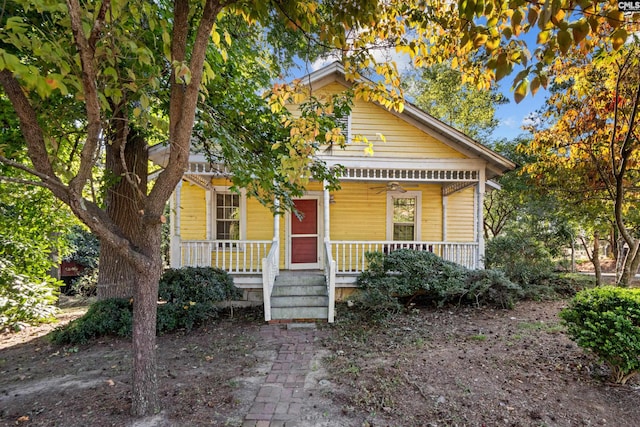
(187, 299)
(492, 287)
(405, 275)
(86, 285)
(523, 259)
(189, 295)
(606, 321)
(112, 316)
(23, 300)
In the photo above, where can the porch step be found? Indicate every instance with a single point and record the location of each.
(291, 313)
(299, 296)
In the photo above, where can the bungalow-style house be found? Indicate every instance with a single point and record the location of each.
(422, 189)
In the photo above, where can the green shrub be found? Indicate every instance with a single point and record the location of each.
(23, 300)
(405, 275)
(112, 316)
(87, 284)
(492, 287)
(606, 321)
(523, 259)
(187, 298)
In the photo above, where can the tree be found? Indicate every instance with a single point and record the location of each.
(439, 91)
(92, 56)
(588, 148)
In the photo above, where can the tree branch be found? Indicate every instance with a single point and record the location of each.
(86, 52)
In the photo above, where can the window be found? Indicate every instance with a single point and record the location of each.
(227, 220)
(404, 218)
(404, 215)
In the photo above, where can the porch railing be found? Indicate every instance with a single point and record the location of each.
(233, 256)
(350, 255)
(330, 274)
(270, 270)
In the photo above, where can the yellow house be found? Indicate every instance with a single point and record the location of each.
(422, 189)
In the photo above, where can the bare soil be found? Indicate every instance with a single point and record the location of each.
(430, 367)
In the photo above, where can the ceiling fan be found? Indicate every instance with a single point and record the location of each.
(391, 186)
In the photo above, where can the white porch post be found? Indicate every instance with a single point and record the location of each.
(327, 200)
(276, 227)
(208, 214)
(174, 243)
(480, 218)
(276, 221)
(445, 200)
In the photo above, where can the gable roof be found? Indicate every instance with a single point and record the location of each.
(496, 163)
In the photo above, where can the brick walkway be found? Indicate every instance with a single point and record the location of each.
(280, 399)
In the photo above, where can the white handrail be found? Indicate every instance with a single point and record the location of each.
(350, 255)
(330, 274)
(233, 256)
(270, 270)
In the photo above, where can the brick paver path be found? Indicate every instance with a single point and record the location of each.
(280, 399)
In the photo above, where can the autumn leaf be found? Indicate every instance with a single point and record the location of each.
(618, 38)
(521, 90)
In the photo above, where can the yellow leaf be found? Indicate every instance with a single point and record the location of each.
(618, 38)
(521, 91)
(215, 36)
(479, 40)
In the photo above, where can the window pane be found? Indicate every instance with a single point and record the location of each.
(404, 210)
(403, 232)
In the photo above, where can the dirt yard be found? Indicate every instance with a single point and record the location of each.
(431, 367)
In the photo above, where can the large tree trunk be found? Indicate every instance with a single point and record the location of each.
(145, 384)
(127, 158)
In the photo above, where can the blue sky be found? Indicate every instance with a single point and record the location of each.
(512, 115)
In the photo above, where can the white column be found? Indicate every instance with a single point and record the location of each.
(445, 200)
(276, 234)
(480, 189)
(276, 221)
(208, 213)
(174, 243)
(327, 201)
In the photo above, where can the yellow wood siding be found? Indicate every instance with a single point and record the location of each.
(359, 212)
(193, 211)
(460, 216)
(431, 212)
(402, 138)
(259, 221)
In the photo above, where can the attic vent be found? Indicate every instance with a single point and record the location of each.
(344, 123)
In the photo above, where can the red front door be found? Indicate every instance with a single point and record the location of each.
(304, 233)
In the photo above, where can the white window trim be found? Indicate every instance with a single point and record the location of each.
(243, 210)
(391, 196)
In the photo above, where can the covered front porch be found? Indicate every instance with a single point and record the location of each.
(447, 204)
